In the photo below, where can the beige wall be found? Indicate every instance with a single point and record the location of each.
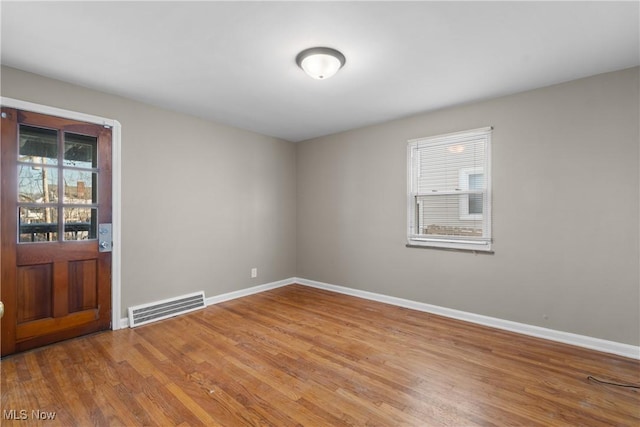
(201, 203)
(565, 210)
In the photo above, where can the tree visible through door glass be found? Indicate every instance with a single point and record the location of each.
(80, 178)
(57, 188)
(38, 191)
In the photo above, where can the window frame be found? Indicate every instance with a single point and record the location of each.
(415, 239)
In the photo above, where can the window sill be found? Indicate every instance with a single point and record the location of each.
(444, 248)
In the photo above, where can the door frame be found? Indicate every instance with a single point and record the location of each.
(116, 298)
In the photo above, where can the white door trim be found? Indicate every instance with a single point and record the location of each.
(115, 187)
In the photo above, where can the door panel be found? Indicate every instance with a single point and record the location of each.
(34, 292)
(83, 285)
(56, 189)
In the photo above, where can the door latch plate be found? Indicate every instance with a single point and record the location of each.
(105, 239)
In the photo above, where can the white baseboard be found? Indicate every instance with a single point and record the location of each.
(249, 291)
(597, 344)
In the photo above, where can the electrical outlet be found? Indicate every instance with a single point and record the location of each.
(254, 273)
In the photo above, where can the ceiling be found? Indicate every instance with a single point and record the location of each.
(234, 62)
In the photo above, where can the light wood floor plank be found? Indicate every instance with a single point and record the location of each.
(298, 356)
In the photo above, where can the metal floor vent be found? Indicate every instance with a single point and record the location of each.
(147, 313)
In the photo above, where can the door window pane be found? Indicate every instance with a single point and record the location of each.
(80, 151)
(79, 187)
(57, 185)
(37, 184)
(38, 145)
(80, 223)
(38, 224)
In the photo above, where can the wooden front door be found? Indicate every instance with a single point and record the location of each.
(56, 191)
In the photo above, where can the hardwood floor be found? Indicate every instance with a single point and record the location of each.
(302, 356)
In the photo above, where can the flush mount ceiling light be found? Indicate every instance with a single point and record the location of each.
(320, 62)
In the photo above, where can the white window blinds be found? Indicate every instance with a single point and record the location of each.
(449, 190)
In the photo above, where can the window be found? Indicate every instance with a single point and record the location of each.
(57, 185)
(449, 191)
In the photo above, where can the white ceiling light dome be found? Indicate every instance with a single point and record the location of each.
(320, 62)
